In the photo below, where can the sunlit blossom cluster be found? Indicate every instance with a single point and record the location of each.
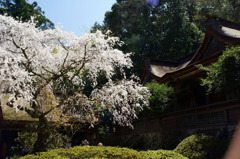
(126, 98)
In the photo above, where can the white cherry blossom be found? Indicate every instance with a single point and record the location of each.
(32, 60)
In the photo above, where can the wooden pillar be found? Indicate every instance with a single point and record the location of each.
(227, 95)
(207, 96)
(1, 115)
(161, 132)
(144, 122)
(196, 118)
(0, 136)
(226, 117)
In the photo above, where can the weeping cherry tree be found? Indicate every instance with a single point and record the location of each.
(40, 69)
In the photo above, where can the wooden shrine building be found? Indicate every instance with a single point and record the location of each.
(194, 109)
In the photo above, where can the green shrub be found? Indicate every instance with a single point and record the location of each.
(95, 152)
(160, 97)
(198, 146)
(161, 154)
(87, 152)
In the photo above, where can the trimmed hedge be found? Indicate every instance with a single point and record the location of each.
(197, 146)
(161, 154)
(96, 152)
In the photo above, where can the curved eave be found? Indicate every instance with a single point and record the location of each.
(223, 37)
(210, 33)
(147, 71)
(188, 69)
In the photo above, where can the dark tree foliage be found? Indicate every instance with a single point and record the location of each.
(225, 9)
(169, 30)
(225, 73)
(22, 10)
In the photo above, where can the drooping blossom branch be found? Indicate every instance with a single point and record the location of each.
(33, 61)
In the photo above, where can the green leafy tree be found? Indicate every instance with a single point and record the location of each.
(225, 73)
(22, 10)
(96, 27)
(169, 30)
(225, 9)
(160, 96)
(165, 31)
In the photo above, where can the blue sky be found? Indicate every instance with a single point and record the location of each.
(75, 15)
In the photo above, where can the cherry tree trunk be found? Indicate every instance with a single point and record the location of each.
(42, 135)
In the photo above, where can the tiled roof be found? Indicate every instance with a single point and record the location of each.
(226, 32)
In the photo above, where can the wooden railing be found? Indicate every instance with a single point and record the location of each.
(218, 114)
(212, 115)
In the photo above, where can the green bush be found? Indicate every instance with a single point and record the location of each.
(160, 97)
(95, 152)
(198, 146)
(87, 152)
(161, 154)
